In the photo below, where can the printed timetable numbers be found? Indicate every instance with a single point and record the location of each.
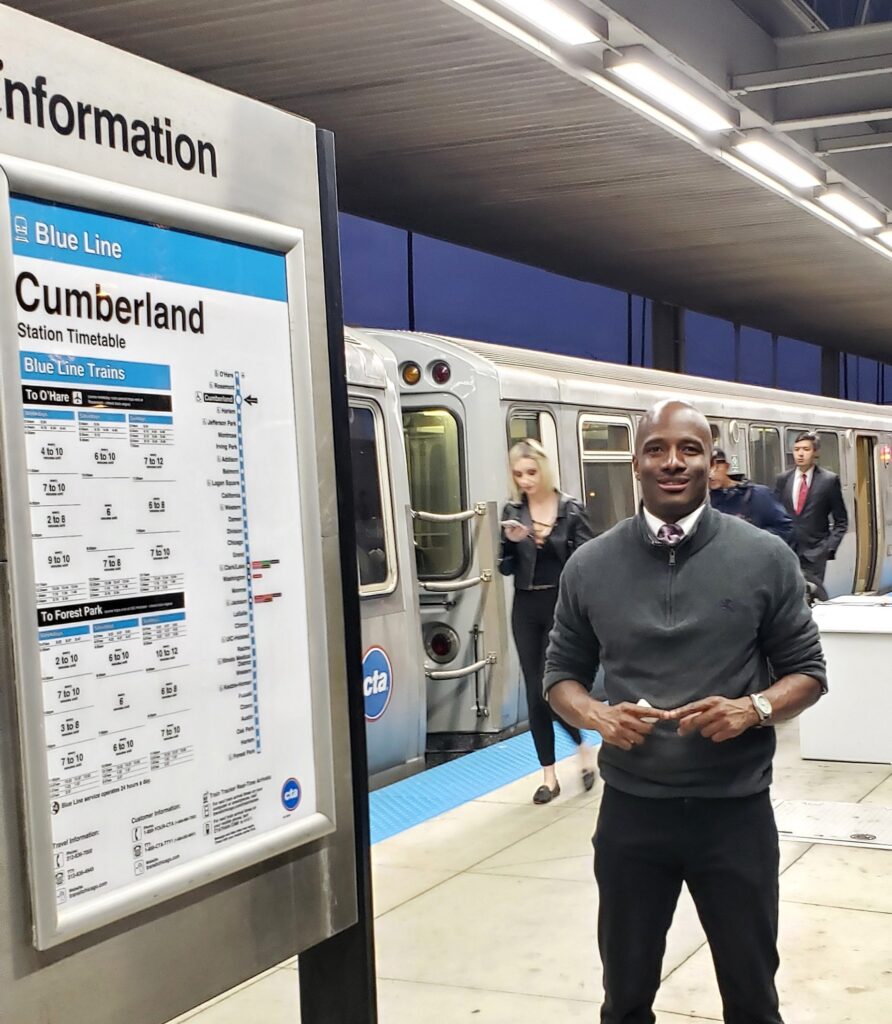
(169, 690)
(171, 731)
(159, 553)
(122, 745)
(70, 727)
(118, 657)
(66, 660)
(68, 694)
(153, 461)
(54, 488)
(58, 560)
(52, 452)
(111, 563)
(56, 520)
(105, 457)
(166, 652)
(71, 760)
(157, 505)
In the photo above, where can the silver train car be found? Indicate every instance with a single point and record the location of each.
(461, 405)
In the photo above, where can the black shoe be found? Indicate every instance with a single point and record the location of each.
(544, 795)
(588, 778)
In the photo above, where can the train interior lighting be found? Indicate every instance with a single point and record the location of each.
(557, 21)
(410, 373)
(636, 67)
(849, 209)
(759, 148)
(441, 372)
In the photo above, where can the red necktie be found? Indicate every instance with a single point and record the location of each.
(803, 494)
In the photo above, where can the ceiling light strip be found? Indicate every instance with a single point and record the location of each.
(555, 21)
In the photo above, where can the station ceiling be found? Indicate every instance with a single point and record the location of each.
(451, 129)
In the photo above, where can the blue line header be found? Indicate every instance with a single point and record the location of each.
(66, 234)
(56, 368)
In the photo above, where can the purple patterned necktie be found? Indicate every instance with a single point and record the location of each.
(670, 534)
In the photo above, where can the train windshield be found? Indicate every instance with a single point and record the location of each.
(433, 453)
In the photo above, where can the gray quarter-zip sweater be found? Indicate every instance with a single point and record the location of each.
(722, 613)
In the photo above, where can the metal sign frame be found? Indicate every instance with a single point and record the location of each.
(51, 925)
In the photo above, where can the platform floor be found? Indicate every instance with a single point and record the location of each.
(486, 914)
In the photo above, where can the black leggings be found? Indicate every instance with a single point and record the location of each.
(531, 620)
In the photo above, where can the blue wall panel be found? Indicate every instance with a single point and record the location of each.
(708, 347)
(374, 273)
(756, 357)
(867, 380)
(798, 366)
(470, 294)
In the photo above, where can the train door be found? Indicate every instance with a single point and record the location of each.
(392, 660)
(866, 518)
(462, 605)
(605, 451)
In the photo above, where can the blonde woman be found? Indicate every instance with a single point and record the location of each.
(541, 527)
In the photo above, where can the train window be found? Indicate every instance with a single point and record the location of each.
(829, 457)
(765, 455)
(829, 450)
(609, 487)
(716, 432)
(374, 530)
(603, 437)
(524, 423)
(433, 454)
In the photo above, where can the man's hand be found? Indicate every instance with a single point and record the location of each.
(623, 725)
(715, 718)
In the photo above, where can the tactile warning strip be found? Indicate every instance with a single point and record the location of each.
(420, 797)
(815, 821)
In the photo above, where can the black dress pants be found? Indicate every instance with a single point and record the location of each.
(532, 616)
(726, 850)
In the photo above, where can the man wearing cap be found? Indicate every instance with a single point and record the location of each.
(700, 623)
(734, 495)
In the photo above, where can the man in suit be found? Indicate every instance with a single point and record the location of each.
(813, 498)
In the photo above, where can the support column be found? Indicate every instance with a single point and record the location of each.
(667, 334)
(830, 384)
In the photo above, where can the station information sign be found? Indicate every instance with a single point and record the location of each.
(169, 594)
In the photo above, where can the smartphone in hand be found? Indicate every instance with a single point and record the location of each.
(512, 524)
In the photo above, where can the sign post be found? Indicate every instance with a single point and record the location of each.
(175, 755)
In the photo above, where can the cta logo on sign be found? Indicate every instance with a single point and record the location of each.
(290, 794)
(377, 682)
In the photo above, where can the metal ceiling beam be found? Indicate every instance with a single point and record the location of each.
(855, 143)
(811, 74)
(813, 121)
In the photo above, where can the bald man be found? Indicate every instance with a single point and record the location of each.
(700, 622)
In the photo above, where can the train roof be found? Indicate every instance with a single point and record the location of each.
(526, 374)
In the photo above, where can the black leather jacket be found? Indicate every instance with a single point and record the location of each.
(571, 530)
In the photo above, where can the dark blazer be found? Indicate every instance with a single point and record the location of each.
(571, 530)
(814, 538)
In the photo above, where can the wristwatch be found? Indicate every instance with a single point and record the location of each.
(763, 707)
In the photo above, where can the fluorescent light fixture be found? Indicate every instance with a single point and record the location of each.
(557, 22)
(885, 237)
(502, 25)
(642, 71)
(855, 213)
(759, 148)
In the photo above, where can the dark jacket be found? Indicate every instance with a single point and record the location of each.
(571, 530)
(722, 614)
(756, 504)
(814, 538)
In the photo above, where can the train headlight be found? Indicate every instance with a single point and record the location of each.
(410, 373)
(441, 372)
(440, 642)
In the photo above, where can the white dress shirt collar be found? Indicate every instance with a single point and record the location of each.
(797, 482)
(687, 523)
